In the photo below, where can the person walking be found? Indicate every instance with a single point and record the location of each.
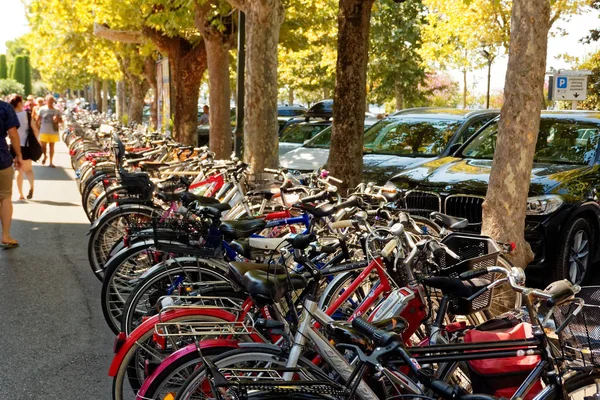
(26, 126)
(49, 120)
(205, 118)
(9, 123)
(39, 103)
(29, 104)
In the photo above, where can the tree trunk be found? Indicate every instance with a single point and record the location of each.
(120, 99)
(291, 96)
(98, 95)
(187, 63)
(506, 200)
(104, 96)
(150, 76)
(138, 88)
(465, 91)
(220, 140)
(218, 42)
(346, 154)
(326, 94)
(261, 146)
(399, 96)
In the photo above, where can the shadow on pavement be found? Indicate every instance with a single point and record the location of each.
(45, 173)
(54, 203)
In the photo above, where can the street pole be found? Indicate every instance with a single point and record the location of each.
(487, 99)
(241, 68)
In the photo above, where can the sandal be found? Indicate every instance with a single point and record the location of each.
(30, 194)
(9, 245)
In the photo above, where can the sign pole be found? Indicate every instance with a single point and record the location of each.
(574, 105)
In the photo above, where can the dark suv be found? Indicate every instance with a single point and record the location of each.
(563, 215)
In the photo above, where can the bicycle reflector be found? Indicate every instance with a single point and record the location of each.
(161, 341)
(119, 342)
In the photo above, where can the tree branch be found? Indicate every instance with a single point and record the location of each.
(239, 4)
(105, 32)
(164, 43)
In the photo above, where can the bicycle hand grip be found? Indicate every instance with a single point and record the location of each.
(437, 251)
(560, 291)
(474, 273)
(342, 224)
(352, 201)
(380, 337)
(389, 190)
(319, 196)
(328, 249)
(301, 242)
(334, 179)
(389, 248)
(271, 170)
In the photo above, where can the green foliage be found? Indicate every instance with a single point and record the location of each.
(39, 89)
(19, 72)
(10, 86)
(396, 68)
(27, 82)
(16, 47)
(592, 101)
(3, 67)
(308, 48)
(11, 69)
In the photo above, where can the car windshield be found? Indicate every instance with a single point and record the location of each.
(291, 112)
(562, 141)
(299, 133)
(401, 136)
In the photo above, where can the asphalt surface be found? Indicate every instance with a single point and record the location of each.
(54, 343)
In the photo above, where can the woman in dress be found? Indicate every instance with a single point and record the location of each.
(26, 123)
(49, 120)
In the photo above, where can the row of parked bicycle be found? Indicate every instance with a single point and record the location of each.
(220, 285)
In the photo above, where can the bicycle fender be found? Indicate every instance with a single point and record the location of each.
(117, 210)
(166, 264)
(165, 317)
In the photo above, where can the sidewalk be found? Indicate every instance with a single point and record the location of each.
(55, 344)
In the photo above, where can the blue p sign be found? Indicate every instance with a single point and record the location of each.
(561, 82)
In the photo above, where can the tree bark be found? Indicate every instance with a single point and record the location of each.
(326, 94)
(120, 99)
(104, 96)
(98, 95)
(291, 96)
(138, 88)
(346, 154)
(465, 91)
(118, 36)
(217, 44)
(220, 140)
(187, 62)
(263, 21)
(150, 76)
(399, 96)
(505, 205)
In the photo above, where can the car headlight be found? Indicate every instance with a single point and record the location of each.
(544, 205)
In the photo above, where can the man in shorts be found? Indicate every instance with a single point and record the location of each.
(9, 123)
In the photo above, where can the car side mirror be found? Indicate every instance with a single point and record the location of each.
(454, 148)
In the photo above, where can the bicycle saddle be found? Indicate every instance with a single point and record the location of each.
(449, 222)
(243, 228)
(319, 212)
(271, 288)
(266, 193)
(237, 270)
(455, 286)
(188, 197)
(168, 196)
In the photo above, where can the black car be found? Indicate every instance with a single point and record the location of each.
(407, 138)
(323, 109)
(563, 214)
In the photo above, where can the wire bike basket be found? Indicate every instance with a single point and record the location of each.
(474, 251)
(578, 327)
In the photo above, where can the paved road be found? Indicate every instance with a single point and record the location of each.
(54, 343)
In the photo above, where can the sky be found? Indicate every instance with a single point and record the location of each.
(14, 24)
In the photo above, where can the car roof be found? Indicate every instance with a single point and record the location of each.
(293, 107)
(579, 115)
(456, 114)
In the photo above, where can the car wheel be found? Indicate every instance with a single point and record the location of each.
(574, 258)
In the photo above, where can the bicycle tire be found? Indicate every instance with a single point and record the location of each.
(170, 268)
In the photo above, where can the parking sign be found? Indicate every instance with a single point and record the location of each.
(570, 86)
(561, 82)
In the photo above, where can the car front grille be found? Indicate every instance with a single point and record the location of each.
(422, 203)
(465, 206)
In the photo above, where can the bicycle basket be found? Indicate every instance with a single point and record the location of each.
(580, 340)
(475, 251)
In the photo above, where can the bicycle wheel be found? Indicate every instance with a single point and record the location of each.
(251, 364)
(338, 286)
(132, 370)
(175, 276)
(121, 274)
(109, 231)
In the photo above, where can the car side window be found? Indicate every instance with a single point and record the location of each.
(473, 127)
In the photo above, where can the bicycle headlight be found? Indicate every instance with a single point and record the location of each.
(543, 205)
